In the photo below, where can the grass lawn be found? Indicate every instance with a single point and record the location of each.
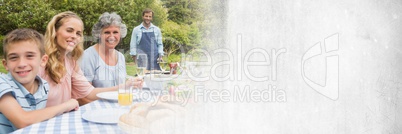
(130, 67)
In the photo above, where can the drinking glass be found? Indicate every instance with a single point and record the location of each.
(142, 62)
(125, 97)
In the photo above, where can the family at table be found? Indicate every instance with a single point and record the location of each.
(52, 74)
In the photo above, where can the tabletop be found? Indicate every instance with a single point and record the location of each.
(72, 122)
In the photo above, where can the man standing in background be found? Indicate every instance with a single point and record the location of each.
(147, 39)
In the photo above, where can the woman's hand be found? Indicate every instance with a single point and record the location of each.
(136, 82)
(71, 104)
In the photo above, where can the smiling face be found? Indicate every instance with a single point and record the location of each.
(23, 60)
(110, 36)
(69, 34)
(147, 18)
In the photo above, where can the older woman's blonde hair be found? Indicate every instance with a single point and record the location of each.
(55, 69)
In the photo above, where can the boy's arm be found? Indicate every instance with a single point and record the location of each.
(21, 118)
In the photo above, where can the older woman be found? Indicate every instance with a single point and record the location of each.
(101, 63)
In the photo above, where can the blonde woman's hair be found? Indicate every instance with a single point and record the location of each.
(54, 68)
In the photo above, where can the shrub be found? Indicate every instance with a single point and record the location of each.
(1, 45)
(128, 57)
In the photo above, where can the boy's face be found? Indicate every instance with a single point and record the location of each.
(23, 61)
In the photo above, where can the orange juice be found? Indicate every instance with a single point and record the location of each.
(125, 99)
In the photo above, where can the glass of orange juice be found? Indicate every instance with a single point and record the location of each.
(125, 92)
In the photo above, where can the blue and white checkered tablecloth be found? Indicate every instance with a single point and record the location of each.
(71, 123)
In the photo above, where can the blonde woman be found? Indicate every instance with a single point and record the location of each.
(63, 41)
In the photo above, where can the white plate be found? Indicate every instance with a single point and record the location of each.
(108, 95)
(113, 95)
(106, 116)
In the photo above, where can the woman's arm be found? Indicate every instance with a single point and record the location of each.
(21, 118)
(80, 85)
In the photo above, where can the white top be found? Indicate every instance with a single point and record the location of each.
(98, 72)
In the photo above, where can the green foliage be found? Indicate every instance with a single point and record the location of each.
(185, 11)
(128, 57)
(1, 45)
(185, 24)
(180, 38)
(36, 14)
(186, 29)
(2, 69)
(174, 58)
(24, 14)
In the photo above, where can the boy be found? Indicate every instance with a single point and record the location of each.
(23, 95)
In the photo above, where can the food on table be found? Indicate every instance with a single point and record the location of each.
(148, 117)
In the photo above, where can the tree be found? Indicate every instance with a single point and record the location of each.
(185, 11)
(36, 14)
(24, 14)
(182, 30)
(181, 21)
